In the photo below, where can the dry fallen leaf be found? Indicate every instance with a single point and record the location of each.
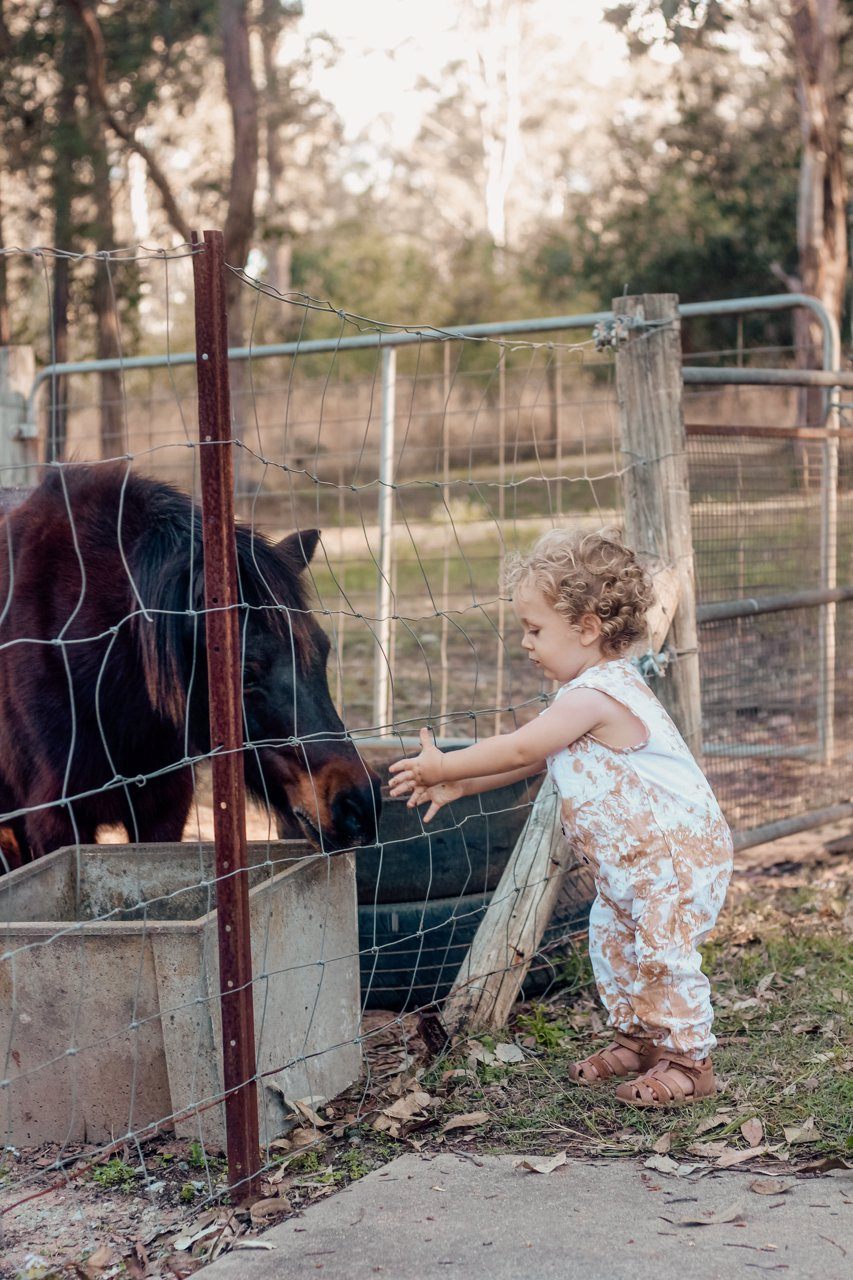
(708, 1150)
(540, 1164)
(409, 1105)
(708, 1219)
(824, 1163)
(305, 1108)
(663, 1164)
(807, 1132)
(302, 1138)
(509, 1053)
(662, 1144)
(187, 1241)
(771, 1186)
(99, 1261)
(753, 1131)
(730, 1158)
(712, 1122)
(263, 1210)
(478, 1052)
(468, 1121)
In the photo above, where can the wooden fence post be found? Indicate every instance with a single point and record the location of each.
(18, 438)
(655, 486)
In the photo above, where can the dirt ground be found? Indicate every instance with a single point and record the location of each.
(158, 1210)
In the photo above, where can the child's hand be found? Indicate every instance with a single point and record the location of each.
(438, 796)
(424, 770)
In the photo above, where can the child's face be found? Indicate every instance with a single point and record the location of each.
(560, 649)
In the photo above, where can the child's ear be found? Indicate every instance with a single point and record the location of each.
(590, 628)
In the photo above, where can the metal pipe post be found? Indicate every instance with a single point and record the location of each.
(226, 717)
(828, 553)
(384, 595)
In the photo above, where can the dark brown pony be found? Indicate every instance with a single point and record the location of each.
(103, 672)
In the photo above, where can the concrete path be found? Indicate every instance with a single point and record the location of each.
(432, 1219)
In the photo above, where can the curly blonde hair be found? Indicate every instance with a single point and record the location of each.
(581, 573)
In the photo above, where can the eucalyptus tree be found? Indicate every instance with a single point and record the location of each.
(815, 36)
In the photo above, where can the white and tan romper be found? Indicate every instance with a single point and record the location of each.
(647, 821)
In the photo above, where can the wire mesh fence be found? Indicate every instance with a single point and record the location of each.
(112, 1026)
(759, 509)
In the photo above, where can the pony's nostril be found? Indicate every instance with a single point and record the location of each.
(357, 813)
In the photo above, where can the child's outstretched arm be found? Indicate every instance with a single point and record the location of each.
(446, 792)
(520, 753)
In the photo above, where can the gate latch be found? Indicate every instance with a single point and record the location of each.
(608, 335)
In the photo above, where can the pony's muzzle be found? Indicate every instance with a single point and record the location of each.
(337, 804)
(355, 815)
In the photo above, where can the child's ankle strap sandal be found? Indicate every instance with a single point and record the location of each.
(668, 1082)
(612, 1061)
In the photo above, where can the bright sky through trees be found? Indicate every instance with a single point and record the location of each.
(388, 45)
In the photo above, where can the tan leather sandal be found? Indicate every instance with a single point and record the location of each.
(665, 1084)
(608, 1062)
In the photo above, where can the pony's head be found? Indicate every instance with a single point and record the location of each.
(299, 760)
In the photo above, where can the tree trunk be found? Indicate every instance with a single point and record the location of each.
(104, 292)
(277, 247)
(96, 76)
(243, 101)
(498, 61)
(240, 219)
(65, 140)
(5, 326)
(822, 203)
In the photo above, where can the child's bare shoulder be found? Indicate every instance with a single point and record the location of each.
(606, 717)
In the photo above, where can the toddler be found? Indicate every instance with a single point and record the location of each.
(635, 806)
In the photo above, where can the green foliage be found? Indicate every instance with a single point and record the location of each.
(704, 206)
(698, 194)
(115, 1175)
(308, 1162)
(354, 1164)
(199, 1159)
(547, 1033)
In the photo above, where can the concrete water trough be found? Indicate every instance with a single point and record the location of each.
(109, 989)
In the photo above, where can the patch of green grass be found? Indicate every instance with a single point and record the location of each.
(115, 1175)
(188, 1193)
(355, 1164)
(199, 1159)
(783, 1057)
(308, 1162)
(548, 1033)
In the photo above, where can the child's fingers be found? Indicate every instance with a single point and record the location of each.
(426, 738)
(430, 813)
(419, 796)
(398, 765)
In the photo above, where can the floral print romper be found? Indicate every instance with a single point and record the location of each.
(647, 821)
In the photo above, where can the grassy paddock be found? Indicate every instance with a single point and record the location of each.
(783, 980)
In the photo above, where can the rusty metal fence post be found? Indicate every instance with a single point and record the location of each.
(226, 714)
